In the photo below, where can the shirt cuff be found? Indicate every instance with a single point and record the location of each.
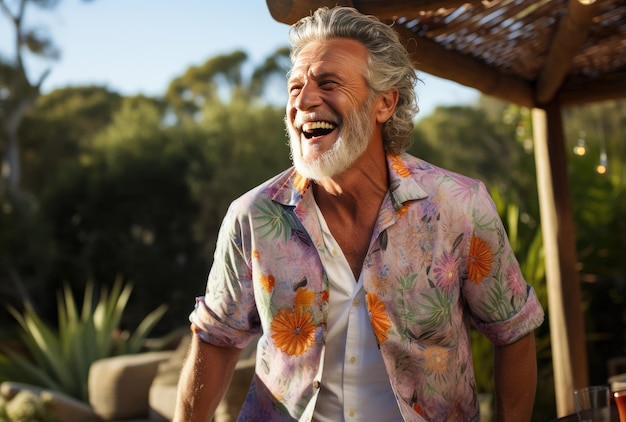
(209, 328)
(526, 320)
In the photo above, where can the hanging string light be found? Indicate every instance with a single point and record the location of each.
(581, 147)
(603, 165)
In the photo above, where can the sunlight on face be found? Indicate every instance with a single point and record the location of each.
(352, 141)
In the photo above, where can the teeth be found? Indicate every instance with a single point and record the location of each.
(307, 127)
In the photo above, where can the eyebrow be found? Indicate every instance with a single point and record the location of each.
(323, 75)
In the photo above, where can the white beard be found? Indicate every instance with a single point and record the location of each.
(352, 141)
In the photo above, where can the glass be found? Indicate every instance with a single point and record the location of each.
(593, 404)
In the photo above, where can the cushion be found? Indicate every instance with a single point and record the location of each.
(119, 386)
(164, 388)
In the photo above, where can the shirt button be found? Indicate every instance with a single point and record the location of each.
(352, 359)
(335, 252)
(356, 302)
(316, 384)
(351, 413)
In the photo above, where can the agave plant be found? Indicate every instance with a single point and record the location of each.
(60, 359)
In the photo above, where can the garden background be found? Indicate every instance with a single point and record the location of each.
(124, 189)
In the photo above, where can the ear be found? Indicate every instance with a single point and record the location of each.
(386, 104)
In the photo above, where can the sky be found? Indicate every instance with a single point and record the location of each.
(139, 46)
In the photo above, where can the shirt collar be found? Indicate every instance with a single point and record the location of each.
(403, 183)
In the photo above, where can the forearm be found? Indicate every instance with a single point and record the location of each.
(204, 379)
(515, 370)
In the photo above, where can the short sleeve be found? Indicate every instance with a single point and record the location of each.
(503, 306)
(226, 315)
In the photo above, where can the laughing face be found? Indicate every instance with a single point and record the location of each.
(329, 109)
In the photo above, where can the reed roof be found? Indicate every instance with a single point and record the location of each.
(530, 52)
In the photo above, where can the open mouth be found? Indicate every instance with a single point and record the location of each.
(315, 129)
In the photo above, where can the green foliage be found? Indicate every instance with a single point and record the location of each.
(25, 250)
(220, 79)
(599, 206)
(599, 199)
(60, 359)
(26, 406)
(242, 147)
(126, 207)
(145, 191)
(60, 129)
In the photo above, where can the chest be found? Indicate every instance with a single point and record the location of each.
(353, 238)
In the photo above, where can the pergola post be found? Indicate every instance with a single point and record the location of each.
(569, 356)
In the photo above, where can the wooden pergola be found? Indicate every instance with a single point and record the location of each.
(540, 54)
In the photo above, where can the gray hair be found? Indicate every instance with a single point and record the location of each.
(389, 64)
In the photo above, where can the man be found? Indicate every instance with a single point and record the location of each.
(362, 267)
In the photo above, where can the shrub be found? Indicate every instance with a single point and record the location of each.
(60, 359)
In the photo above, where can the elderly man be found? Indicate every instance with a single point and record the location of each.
(362, 267)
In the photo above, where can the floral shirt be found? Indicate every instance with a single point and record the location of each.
(439, 260)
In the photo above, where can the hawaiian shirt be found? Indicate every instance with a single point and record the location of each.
(439, 260)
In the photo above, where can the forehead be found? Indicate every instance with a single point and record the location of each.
(341, 55)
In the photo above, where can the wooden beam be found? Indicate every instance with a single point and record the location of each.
(610, 87)
(385, 9)
(567, 334)
(431, 58)
(290, 11)
(570, 35)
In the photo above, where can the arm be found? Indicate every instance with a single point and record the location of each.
(204, 379)
(515, 368)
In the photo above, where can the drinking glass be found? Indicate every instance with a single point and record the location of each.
(620, 401)
(593, 404)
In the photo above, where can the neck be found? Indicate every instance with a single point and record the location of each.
(350, 204)
(361, 187)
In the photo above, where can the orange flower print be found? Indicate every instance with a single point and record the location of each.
(304, 297)
(378, 316)
(325, 296)
(256, 254)
(436, 359)
(267, 281)
(381, 286)
(403, 209)
(418, 409)
(480, 260)
(300, 183)
(398, 166)
(293, 332)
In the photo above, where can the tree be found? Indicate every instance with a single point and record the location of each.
(243, 146)
(125, 210)
(116, 185)
(55, 133)
(18, 91)
(219, 79)
(60, 128)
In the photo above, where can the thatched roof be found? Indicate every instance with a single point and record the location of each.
(529, 52)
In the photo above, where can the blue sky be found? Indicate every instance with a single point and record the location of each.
(139, 46)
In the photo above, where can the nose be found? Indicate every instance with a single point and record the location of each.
(308, 97)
